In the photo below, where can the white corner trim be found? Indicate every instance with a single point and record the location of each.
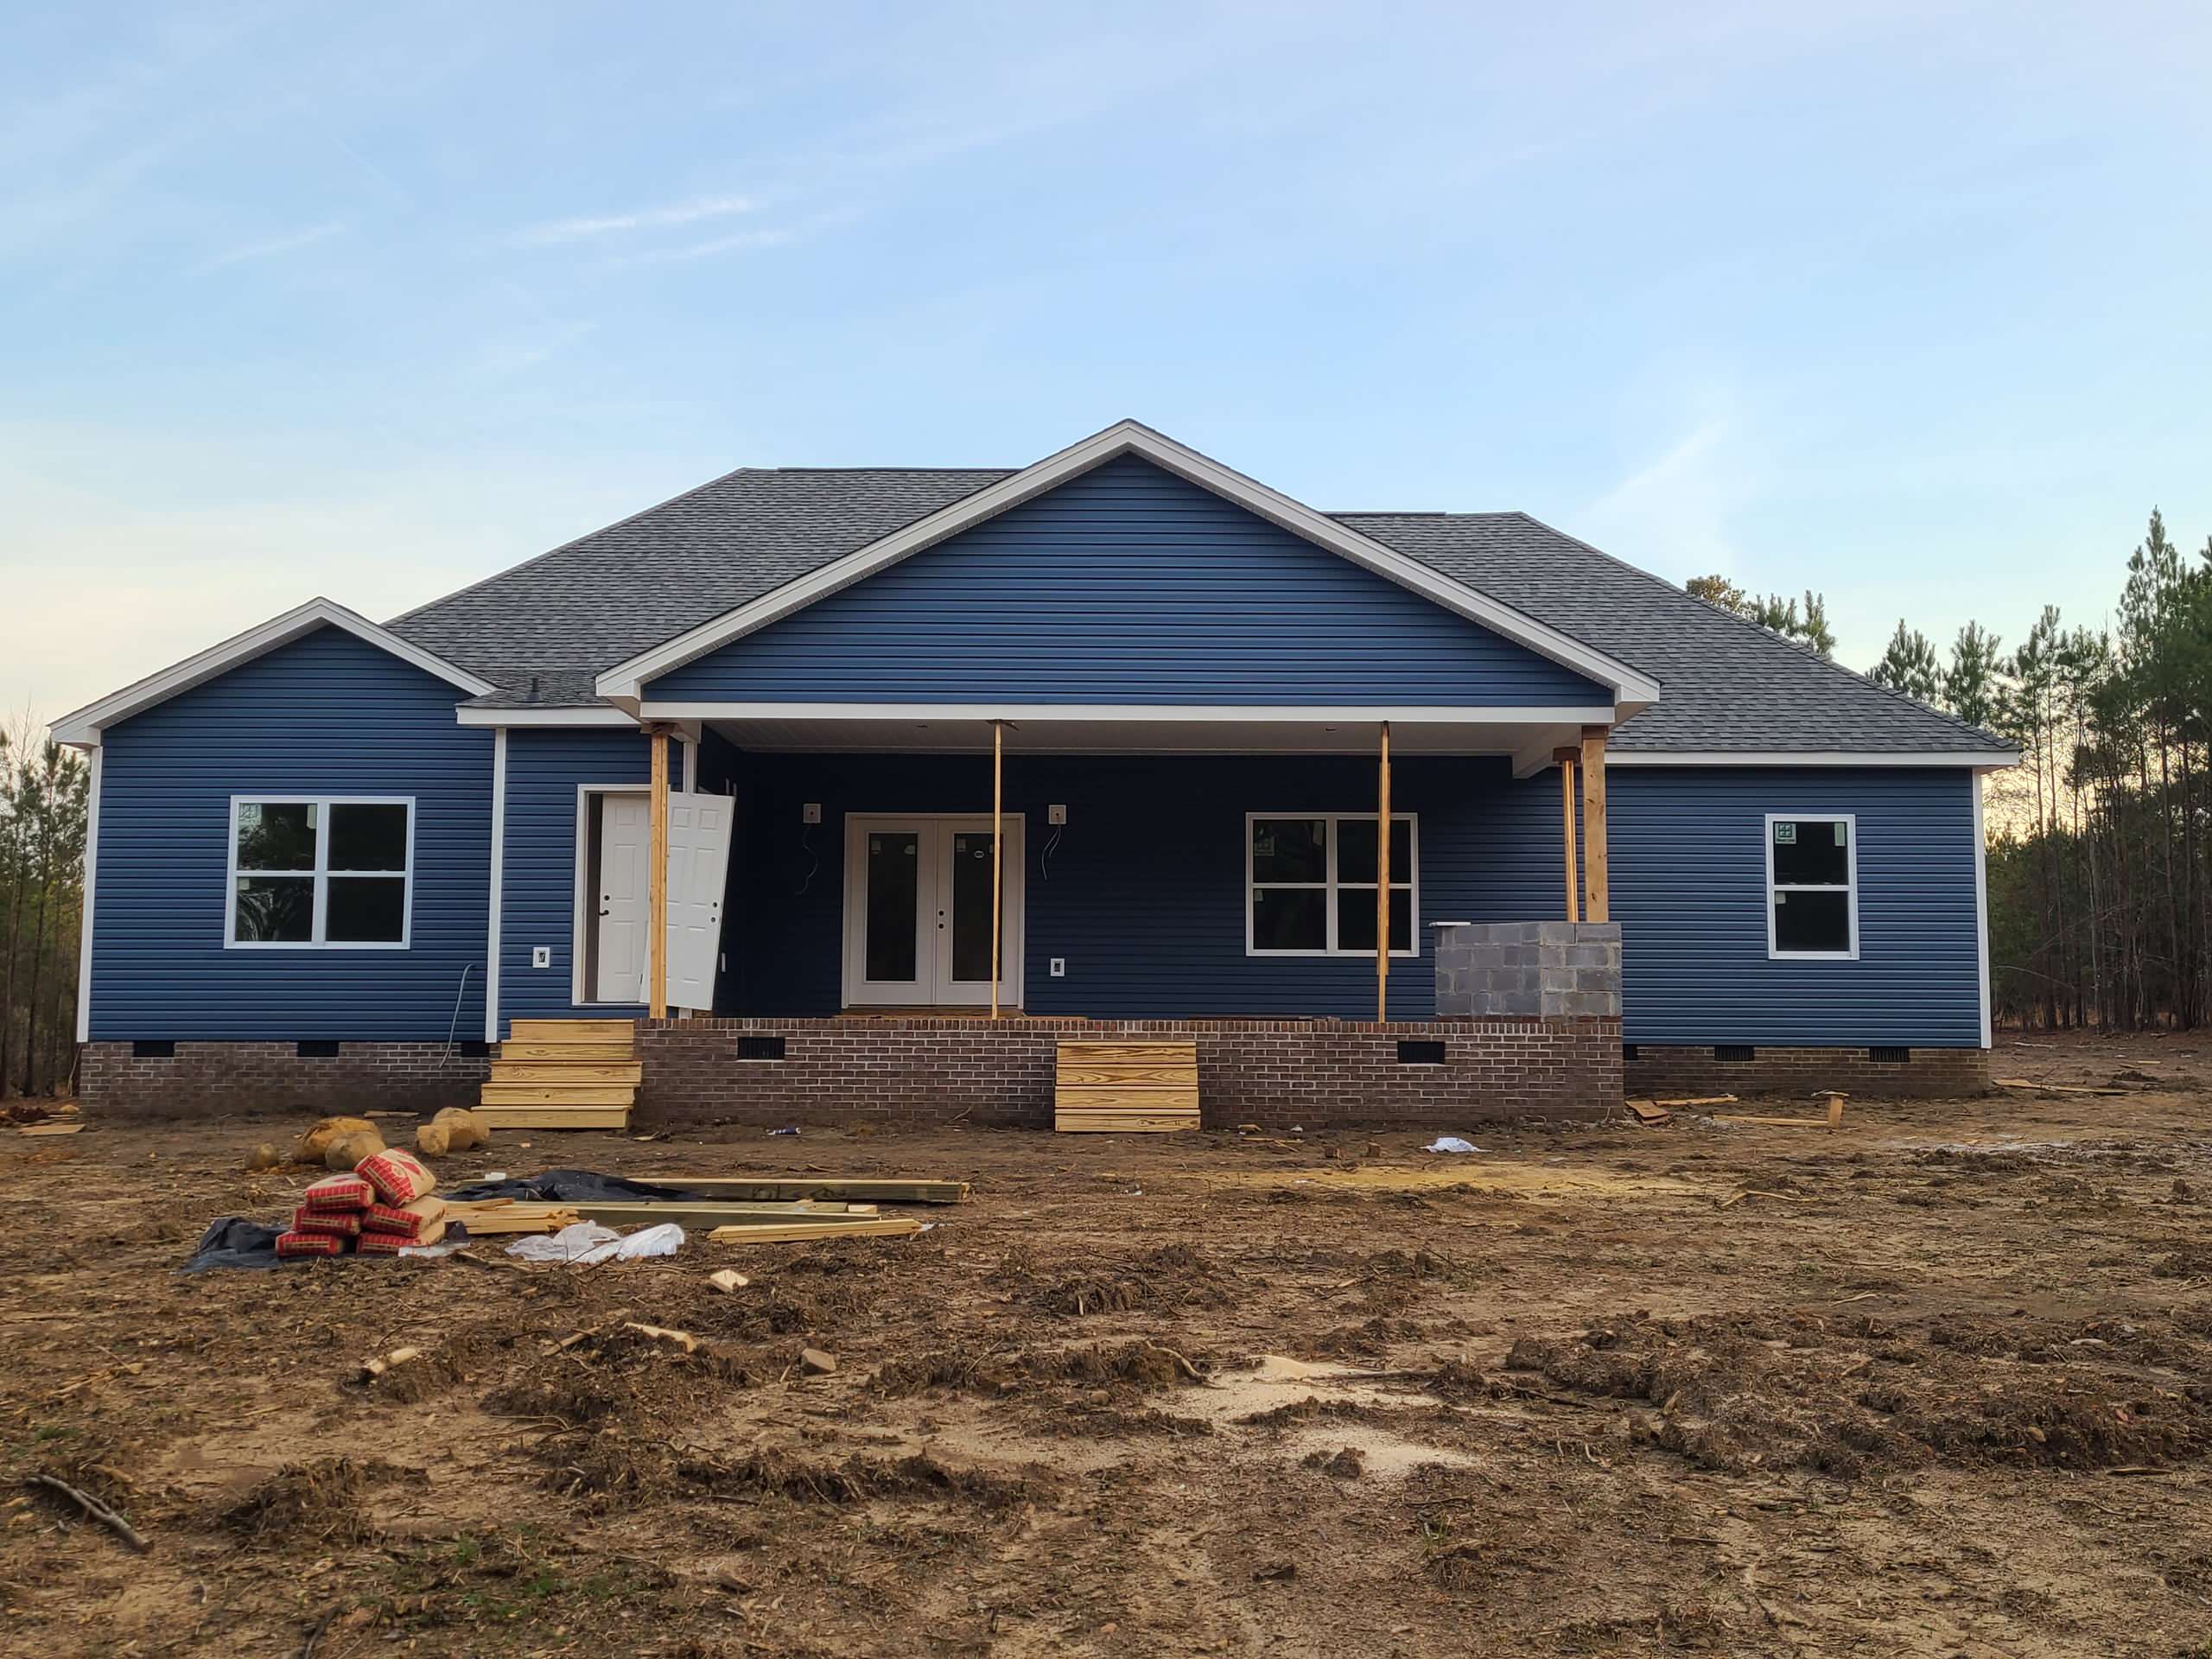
(1126, 713)
(84, 923)
(1850, 821)
(82, 726)
(1979, 760)
(516, 718)
(498, 885)
(628, 679)
(1981, 913)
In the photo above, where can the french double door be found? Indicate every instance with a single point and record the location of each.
(918, 911)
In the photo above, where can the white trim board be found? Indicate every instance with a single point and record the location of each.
(498, 885)
(1163, 713)
(85, 923)
(1981, 911)
(506, 718)
(1979, 760)
(628, 679)
(82, 728)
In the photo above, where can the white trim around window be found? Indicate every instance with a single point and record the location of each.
(1775, 889)
(1330, 886)
(320, 875)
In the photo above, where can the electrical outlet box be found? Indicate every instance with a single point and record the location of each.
(540, 956)
(1060, 967)
(810, 813)
(1055, 814)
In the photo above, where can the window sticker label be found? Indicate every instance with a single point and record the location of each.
(1785, 834)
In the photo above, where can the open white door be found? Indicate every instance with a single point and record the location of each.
(698, 864)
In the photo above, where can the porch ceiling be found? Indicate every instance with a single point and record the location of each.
(1529, 740)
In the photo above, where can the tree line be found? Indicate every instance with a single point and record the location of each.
(44, 791)
(2100, 852)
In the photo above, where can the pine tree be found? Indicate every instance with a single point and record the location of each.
(1909, 665)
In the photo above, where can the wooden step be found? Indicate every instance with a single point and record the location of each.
(1099, 1123)
(506, 1071)
(1176, 1054)
(554, 1117)
(572, 1030)
(574, 1052)
(558, 1094)
(1125, 1087)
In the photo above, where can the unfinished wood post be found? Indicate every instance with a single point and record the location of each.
(1597, 889)
(1383, 886)
(657, 880)
(998, 796)
(1565, 759)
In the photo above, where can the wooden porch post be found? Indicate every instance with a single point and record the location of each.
(1597, 890)
(1565, 759)
(657, 882)
(1382, 885)
(998, 800)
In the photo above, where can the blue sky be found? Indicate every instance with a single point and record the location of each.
(1905, 301)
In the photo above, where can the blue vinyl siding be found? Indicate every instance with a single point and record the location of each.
(328, 713)
(544, 768)
(1128, 585)
(1689, 891)
(1144, 893)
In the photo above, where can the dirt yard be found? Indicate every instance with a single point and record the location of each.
(1940, 1383)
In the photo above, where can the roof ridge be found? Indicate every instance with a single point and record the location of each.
(1767, 634)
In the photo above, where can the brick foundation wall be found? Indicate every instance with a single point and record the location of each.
(1928, 1072)
(1314, 1073)
(209, 1079)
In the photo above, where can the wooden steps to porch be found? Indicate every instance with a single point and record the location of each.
(1126, 1087)
(563, 1074)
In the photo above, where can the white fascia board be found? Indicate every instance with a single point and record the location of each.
(504, 719)
(1977, 760)
(627, 679)
(1163, 714)
(82, 728)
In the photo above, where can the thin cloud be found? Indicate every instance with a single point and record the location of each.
(271, 246)
(650, 219)
(742, 242)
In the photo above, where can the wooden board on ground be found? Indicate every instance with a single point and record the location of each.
(1650, 1111)
(889, 1226)
(50, 1129)
(483, 1217)
(2056, 1088)
(572, 1031)
(1126, 1087)
(1832, 1120)
(641, 1213)
(554, 1117)
(886, 1190)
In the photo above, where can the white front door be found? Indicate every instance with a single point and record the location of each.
(625, 845)
(918, 912)
(698, 863)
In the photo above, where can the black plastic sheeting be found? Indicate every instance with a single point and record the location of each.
(232, 1243)
(574, 1186)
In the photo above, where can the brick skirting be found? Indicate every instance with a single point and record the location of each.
(208, 1080)
(1931, 1072)
(1272, 1072)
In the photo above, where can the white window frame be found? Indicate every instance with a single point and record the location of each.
(319, 875)
(1329, 885)
(1850, 821)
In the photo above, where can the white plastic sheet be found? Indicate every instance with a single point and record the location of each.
(1451, 1143)
(587, 1244)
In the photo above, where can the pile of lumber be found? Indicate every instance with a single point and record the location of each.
(730, 1221)
(1126, 1087)
(486, 1217)
(563, 1074)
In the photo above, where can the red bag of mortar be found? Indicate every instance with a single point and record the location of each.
(291, 1244)
(338, 1193)
(393, 1243)
(409, 1221)
(337, 1224)
(398, 1177)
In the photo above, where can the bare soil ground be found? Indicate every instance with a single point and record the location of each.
(1940, 1383)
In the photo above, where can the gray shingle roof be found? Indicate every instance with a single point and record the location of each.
(545, 628)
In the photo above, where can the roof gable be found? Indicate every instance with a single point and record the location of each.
(1127, 586)
(83, 727)
(624, 683)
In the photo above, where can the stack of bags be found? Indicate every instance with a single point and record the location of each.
(380, 1209)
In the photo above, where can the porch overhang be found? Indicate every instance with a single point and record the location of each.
(1528, 735)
